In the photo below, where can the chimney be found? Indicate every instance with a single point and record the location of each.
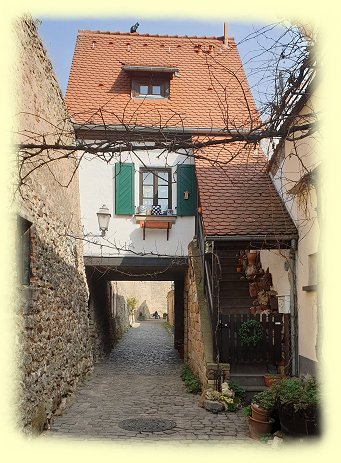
(225, 41)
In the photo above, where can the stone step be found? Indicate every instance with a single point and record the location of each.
(250, 381)
(250, 389)
(232, 276)
(235, 310)
(236, 291)
(227, 253)
(254, 389)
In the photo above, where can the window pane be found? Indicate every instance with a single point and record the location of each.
(147, 191)
(143, 90)
(156, 89)
(162, 191)
(148, 178)
(163, 203)
(162, 178)
(148, 202)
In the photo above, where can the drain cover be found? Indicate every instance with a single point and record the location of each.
(147, 424)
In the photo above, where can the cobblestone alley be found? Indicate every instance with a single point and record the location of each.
(141, 379)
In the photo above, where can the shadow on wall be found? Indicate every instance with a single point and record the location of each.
(143, 311)
(100, 317)
(53, 332)
(108, 316)
(121, 318)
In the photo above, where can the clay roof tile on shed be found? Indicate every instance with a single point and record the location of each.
(237, 196)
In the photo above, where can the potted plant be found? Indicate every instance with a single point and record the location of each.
(298, 405)
(271, 379)
(251, 256)
(259, 428)
(260, 420)
(263, 404)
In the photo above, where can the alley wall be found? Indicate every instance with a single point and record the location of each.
(55, 352)
(151, 296)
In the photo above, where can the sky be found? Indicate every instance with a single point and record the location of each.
(59, 38)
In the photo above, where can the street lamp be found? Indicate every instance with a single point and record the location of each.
(103, 216)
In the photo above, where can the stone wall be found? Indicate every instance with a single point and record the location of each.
(55, 351)
(120, 312)
(100, 317)
(198, 336)
(170, 307)
(151, 296)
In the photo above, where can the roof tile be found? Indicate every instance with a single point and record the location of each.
(98, 59)
(237, 196)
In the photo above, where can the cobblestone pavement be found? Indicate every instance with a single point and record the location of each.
(141, 379)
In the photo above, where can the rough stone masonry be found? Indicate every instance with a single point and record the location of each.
(54, 352)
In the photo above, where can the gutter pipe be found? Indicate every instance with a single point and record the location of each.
(250, 237)
(177, 130)
(293, 309)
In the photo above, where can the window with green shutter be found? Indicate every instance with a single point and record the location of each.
(124, 188)
(186, 190)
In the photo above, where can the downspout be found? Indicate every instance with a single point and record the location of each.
(293, 309)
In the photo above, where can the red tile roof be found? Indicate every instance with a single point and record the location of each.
(210, 91)
(236, 194)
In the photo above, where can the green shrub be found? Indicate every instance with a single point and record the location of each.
(301, 393)
(266, 399)
(238, 390)
(191, 381)
(247, 410)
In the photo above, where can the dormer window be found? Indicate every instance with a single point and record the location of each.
(150, 87)
(150, 81)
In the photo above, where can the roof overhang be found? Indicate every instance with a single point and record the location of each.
(216, 131)
(156, 69)
(261, 241)
(249, 237)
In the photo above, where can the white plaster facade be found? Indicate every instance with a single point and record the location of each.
(277, 262)
(125, 237)
(297, 159)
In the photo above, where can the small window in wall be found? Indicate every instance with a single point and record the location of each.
(156, 188)
(150, 87)
(312, 262)
(24, 227)
(312, 273)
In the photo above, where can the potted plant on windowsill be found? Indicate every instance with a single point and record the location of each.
(298, 405)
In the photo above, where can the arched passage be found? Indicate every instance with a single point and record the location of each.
(100, 271)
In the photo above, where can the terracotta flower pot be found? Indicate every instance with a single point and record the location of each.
(253, 289)
(270, 379)
(300, 422)
(260, 413)
(258, 428)
(251, 257)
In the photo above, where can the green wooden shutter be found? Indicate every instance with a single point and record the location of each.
(124, 188)
(186, 182)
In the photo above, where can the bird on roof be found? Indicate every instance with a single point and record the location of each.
(134, 28)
